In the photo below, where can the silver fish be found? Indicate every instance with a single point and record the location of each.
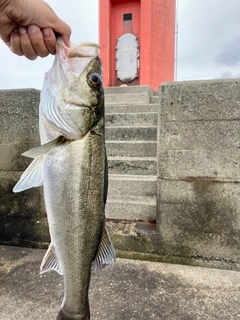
(71, 164)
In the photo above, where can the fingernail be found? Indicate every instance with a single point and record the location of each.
(46, 31)
(32, 28)
(22, 30)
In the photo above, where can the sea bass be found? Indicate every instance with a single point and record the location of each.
(71, 164)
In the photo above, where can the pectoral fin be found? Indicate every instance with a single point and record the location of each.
(50, 261)
(45, 148)
(105, 253)
(31, 177)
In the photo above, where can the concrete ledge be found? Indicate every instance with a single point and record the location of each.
(141, 241)
(200, 100)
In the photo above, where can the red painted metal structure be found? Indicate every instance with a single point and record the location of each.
(153, 22)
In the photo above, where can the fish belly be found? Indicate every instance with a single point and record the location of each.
(74, 197)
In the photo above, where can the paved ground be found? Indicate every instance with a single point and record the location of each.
(130, 290)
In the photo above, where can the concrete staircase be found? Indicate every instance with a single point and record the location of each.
(131, 134)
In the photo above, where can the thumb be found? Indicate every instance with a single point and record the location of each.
(64, 31)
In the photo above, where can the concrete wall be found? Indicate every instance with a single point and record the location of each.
(198, 205)
(19, 132)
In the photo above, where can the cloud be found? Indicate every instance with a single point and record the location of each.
(227, 75)
(207, 39)
(230, 53)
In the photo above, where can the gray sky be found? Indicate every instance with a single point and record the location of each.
(208, 41)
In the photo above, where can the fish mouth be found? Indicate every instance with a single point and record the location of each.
(77, 56)
(84, 50)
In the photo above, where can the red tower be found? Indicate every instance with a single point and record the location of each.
(137, 41)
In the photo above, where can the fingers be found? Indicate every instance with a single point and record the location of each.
(15, 43)
(36, 41)
(33, 42)
(6, 30)
(64, 30)
(49, 40)
(26, 45)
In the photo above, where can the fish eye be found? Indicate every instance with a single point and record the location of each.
(94, 79)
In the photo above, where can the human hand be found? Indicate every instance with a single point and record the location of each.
(28, 27)
(33, 42)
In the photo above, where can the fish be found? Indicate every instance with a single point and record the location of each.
(71, 164)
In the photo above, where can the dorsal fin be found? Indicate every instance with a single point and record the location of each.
(50, 261)
(105, 253)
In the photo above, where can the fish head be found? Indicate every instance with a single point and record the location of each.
(76, 87)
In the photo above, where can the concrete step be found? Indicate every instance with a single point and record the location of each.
(131, 208)
(126, 133)
(131, 148)
(154, 99)
(129, 90)
(132, 165)
(134, 185)
(127, 98)
(130, 107)
(132, 119)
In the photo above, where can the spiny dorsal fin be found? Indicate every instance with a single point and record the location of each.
(105, 253)
(50, 261)
(45, 148)
(31, 177)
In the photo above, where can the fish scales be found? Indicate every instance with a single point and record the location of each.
(78, 227)
(71, 164)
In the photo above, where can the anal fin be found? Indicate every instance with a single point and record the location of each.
(50, 261)
(106, 252)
